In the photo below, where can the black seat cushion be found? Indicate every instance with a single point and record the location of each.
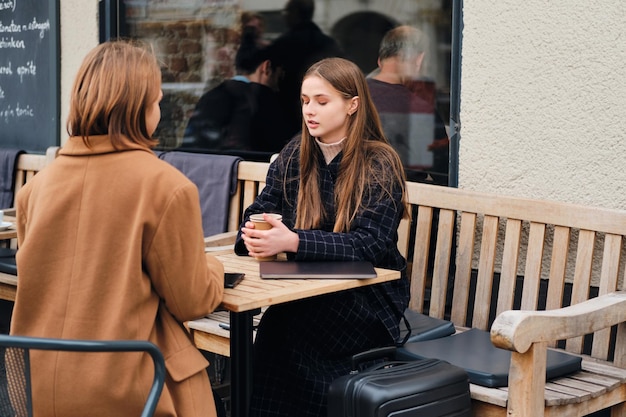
(7, 261)
(424, 327)
(485, 364)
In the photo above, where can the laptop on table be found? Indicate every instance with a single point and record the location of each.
(317, 270)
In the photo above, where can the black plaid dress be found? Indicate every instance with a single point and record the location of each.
(302, 346)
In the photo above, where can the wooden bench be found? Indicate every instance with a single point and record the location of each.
(208, 333)
(477, 258)
(27, 165)
(493, 254)
(250, 181)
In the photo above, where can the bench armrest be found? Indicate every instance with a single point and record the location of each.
(517, 330)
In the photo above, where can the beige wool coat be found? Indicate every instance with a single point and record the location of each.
(111, 247)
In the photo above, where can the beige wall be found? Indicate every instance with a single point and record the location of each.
(79, 33)
(543, 99)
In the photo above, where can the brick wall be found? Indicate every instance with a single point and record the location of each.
(195, 55)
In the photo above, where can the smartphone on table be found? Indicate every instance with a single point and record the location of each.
(231, 279)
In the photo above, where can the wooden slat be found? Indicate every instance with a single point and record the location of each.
(496, 396)
(404, 231)
(597, 379)
(20, 180)
(486, 265)
(510, 258)
(234, 209)
(532, 272)
(464, 254)
(441, 268)
(620, 348)
(32, 162)
(420, 258)
(604, 368)
(559, 397)
(608, 283)
(558, 263)
(249, 193)
(570, 392)
(582, 280)
(251, 177)
(584, 261)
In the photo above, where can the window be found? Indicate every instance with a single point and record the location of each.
(196, 42)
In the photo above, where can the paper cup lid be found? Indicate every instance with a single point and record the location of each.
(259, 217)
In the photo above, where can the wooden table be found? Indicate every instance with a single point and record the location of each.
(246, 300)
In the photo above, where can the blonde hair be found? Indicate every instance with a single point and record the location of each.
(368, 159)
(115, 84)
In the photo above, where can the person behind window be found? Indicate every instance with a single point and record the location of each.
(243, 115)
(406, 104)
(254, 20)
(111, 247)
(295, 50)
(340, 190)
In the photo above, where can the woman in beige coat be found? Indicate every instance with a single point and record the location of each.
(111, 247)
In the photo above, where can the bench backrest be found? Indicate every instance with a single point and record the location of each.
(28, 165)
(468, 253)
(250, 181)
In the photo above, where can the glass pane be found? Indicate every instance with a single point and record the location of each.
(197, 41)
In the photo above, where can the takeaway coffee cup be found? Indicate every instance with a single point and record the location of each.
(261, 224)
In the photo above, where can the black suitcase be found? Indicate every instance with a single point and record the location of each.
(423, 388)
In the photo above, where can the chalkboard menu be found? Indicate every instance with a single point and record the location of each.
(29, 74)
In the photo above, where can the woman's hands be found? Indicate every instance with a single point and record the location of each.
(263, 243)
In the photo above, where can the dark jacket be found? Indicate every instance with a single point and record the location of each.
(237, 117)
(302, 346)
(295, 51)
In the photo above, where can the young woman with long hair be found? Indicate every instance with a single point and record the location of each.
(340, 190)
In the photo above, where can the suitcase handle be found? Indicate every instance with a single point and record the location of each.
(376, 353)
(385, 365)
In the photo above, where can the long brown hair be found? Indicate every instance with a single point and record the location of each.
(115, 84)
(368, 159)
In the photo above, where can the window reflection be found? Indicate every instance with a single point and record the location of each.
(196, 42)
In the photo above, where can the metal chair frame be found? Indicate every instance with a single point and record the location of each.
(72, 345)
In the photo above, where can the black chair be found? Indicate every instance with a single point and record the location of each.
(15, 389)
